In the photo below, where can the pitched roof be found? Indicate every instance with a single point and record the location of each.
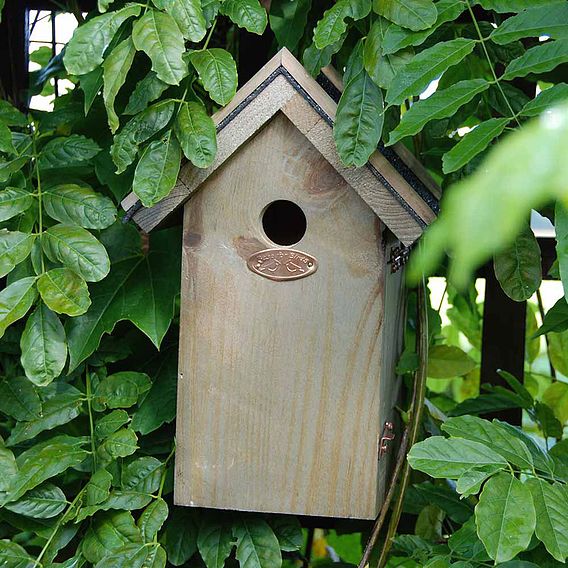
(393, 183)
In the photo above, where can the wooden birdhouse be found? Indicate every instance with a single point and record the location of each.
(292, 308)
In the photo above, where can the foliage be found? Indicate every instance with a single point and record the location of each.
(88, 316)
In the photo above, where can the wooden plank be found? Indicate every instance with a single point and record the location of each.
(260, 108)
(231, 138)
(383, 203)
(279, 400)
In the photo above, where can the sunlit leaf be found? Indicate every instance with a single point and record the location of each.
(218, 73)
(86, 48)
(413, 14)
(505, 517)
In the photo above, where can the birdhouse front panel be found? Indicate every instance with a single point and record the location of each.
(281, 352)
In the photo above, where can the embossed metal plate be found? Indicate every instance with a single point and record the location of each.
(282, 264)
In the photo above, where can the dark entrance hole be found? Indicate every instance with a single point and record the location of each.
(284, 222)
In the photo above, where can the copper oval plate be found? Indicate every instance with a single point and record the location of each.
(282, 264)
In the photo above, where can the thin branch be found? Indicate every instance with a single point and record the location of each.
(542, 315)
(400, 459)
(417, 410)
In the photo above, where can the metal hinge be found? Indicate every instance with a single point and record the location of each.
(398, 257)
(387, 437)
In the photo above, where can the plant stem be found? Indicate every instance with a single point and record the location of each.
(39, 196)
(417, 411)
(91, 421)
(484, 47)
(542, 315)
(210, 34)
(59, 524)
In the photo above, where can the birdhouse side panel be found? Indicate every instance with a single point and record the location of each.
(393, 344)
(280, 380)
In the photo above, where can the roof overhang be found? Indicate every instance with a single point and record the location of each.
(393, 183)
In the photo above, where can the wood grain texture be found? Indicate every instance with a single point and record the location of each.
(284, 386)
(256, 108)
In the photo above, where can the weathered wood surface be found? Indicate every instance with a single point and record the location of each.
(284, 386)
(256, 108)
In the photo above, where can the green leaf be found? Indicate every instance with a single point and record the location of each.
(10, 115)
(248, 14)
(6, 143)
(121, 390)
(159, 405)
(120, 444)
(439, 105)
(556, 319)
(493, 435)
(138, 130)
(518, 267)
(288, 20)
(549, 20)
(62, 403)
(150, 283)
(257, 545)
(546, 99)
(215, 541)
(85, 50)
(13, 201)
(447, 361)
(314, 59)
(15, 301)
(359, 120)
(470, 482)
(152, 519)
(41, 503)
(142, 475)
(79, 205)
(64, 291)
(46, 460)
(556, 395)
(180, 536)
(110, 423)
(108, 533)
(157, 34)
(196, 133)
(506, 6)
(561, 227)
(115, 69)
(538, 59)
(505, 517)
(473, 143)
(332, 25)
(441, 457)
(19, 399)
(470, 239)
(218, 73)
(44, 351)
(288, 531)
(78, 250)
(98, 487)
(413, 14)
(425, 67)
(157, 171)
(382, 68)
(103, 5)
(91, 84)
(189, 17)
(8, 467)
(67, 151)
(551, 504)
(15, 247)
(147, 90)
(12, 555)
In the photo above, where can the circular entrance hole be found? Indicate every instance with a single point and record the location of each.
(284, 222)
